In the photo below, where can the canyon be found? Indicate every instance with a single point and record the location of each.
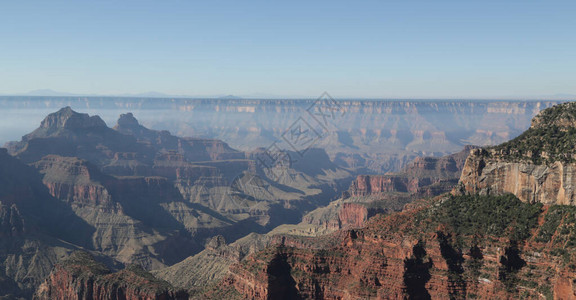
(431, 176)
(505, 231)
(370, 136)
(354, 210)
(137, 196)
(394, 257)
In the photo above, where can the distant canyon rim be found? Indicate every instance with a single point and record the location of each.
(370, 136)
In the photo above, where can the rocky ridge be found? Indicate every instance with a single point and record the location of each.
(132, 195)
(370, 136)
(81, 277)
(34, 228)
(506, 232)
(419, 254)
(370, 195)
(537, 166)
(212, 264)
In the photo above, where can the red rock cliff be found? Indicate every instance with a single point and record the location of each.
(424, 176)
(81, 277)
(393, 258)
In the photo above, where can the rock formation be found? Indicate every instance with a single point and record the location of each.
(424, 176)
(135, 195)
(138, 196)
(35, 228)
(370, 195)
(212, 264)
(81, 277)
(533, 166)
(415, 254)
(506, 232)
(371, 137)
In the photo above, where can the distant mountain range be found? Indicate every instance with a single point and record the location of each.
(154, 94)
(150, 94)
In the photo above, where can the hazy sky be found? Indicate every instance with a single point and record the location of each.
(290, 48)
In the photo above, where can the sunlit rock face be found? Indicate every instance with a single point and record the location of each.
(507, 231)
(537, 166)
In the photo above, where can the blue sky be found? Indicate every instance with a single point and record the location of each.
(370, 49)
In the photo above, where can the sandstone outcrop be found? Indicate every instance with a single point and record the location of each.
(549, 184)
(81, 277)
(507, 233)
(402, 256)
(353, 215)
(210, 266)
(66, 118)
(530, 165)
(423, 176)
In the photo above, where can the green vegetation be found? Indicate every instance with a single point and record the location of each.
(557, 142)
(475, 263)
(553, 135)
(559, 228)
(81, 259)
(497, 216)
(546, 290)
(565, 112)
(558, 214)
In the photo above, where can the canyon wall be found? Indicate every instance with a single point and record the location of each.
(537, 166)
(371, 136)
(548, 183)
(401, 257)
(506, 232)
(81, 277)
(139, 196)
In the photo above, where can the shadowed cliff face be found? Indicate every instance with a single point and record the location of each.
(370, 195)
(141, 196)
(146, 196)
(518, 247)
(203, 171)
(417, 273)
(281, 285)
(36, 229)
(425, 176)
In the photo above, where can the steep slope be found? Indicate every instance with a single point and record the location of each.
(206, 172)
(81, 277)
(207, 268)
(69, 133)
(369, 195)
(36, 230)
(192, 149)
(424, 176)
(502, 235)
(481, 247)
(201, 270)
(141, 196)
(537, 166)
(128, 220)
